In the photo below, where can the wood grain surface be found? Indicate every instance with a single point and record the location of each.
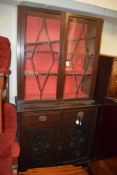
(57, 170)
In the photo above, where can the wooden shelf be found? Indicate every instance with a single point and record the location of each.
(42, 52)
(57, 41)
(69, 73)
(76, 71)
(80, 74)
(40, 73)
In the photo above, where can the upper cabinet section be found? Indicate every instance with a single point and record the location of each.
(57, 54)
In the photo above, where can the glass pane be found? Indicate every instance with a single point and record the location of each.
(32, 92)
(42, 50)
(50, 88)
(112, 89)
(77, 86)
(80, 58)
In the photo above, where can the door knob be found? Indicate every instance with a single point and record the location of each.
(80, 116)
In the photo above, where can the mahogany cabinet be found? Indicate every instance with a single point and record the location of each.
(106, 95)
(57, 68)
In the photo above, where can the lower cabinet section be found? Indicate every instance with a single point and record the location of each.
(56, 136)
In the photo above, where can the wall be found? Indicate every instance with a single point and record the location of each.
(98, 3)
(109, 38)
(101, 3)
(8, 28)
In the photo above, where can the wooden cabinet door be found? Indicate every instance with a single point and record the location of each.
(38, 147)
(78, 134)
(80, 62)
(38, 135)
(38, 63)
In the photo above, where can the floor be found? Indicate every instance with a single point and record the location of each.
(58, 170)
(98, 167)
(105, 167)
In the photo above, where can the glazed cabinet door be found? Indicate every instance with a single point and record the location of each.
(78, 133)
(80, 57)
(38, 139)
(40, 35)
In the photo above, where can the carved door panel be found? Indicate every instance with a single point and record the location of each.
(74, 142)
(78, 134)
(38, 146)
(39, 137)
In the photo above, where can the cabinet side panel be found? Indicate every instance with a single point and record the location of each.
(104, 70)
